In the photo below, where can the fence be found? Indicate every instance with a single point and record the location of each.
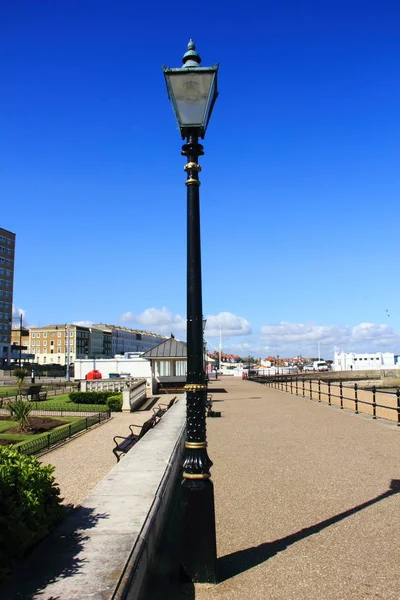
(55, 389)
(377, 403)
(45, 441)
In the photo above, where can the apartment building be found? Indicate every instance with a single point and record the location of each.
(7, 252)
(63, 344)
(124, 339)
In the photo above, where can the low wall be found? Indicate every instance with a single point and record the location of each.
(133, 395)
(106, 548)
(133, 390)
(107, 385)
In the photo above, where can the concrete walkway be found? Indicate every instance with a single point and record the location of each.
(81, 463)
(306, 502)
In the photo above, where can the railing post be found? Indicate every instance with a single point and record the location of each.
(311, 389)
(356, 398)
(291, 385)
(374, 402)
(319, 390)
(398, 406)
(297, 386)
(304, 383)
(341, 393)
(329, 393)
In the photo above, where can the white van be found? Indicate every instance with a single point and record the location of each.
(320, 365)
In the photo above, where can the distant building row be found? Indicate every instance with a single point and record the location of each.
(64, 344)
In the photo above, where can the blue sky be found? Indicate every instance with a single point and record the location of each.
(300, 181)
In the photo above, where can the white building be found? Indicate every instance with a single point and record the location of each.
(365, 362)
(135, 367)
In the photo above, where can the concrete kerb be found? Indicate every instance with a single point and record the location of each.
(106, 546)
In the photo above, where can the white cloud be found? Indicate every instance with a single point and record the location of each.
(83, 323)
(17, 312)
(157, 320)
(229, 324)
(290, 339)
(162, 320)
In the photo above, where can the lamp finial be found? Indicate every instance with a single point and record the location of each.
(191, 58)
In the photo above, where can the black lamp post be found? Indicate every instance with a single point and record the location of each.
(193, 90)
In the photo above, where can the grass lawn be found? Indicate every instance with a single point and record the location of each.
(62, 402)
(4, 425)
(6, 391)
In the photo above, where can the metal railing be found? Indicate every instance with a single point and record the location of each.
(47, 440)
(55, 389)
(376, 402)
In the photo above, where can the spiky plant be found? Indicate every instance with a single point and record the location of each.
(20, 375)
(20, 410)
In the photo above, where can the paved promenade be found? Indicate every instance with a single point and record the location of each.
(306, 501)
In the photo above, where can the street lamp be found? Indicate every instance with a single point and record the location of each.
(193, 90)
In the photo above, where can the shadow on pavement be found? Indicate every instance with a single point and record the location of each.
(56, 557)
(148, 404)
(243, 560)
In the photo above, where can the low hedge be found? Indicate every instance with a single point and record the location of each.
(114, 403)
(90, 397)
(30, 505)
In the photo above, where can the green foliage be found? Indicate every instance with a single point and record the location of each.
(30, 505)
(20, 410)
(90, 397)
(114, 403)
(20, 375)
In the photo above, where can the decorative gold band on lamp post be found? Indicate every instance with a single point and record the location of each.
(193, 90)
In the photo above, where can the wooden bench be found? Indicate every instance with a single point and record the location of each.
(128, 442)
(161, 409)
(33, 393)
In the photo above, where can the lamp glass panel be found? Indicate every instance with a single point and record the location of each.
(191, 93)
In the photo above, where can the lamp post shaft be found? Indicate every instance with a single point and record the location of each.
(199, 554)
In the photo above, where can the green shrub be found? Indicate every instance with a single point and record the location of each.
(90, 397)
(30, 505)
(114, 403)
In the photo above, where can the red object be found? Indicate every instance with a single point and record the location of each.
(243, 375)
(94, 375)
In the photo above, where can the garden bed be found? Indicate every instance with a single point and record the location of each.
(44, 431)
(36, 425)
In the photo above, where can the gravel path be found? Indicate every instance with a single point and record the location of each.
(82, 462)
(304, 504)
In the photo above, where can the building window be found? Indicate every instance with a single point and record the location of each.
(163, 367)
(59, 334)
(45, 334)
(180, 367)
